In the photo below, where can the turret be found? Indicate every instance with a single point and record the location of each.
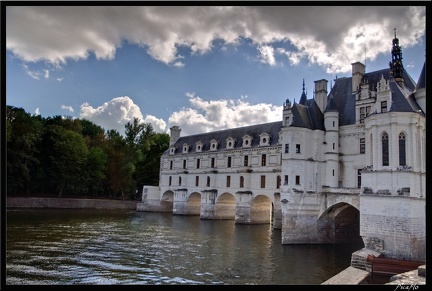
(331, 123)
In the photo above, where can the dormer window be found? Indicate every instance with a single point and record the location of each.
(172, 150)
(186, 148)
(214, 145)
(230, 142)
(247, 141)
(199, 146)
(264, 139)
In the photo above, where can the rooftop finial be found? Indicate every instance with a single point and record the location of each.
(303, 85)
(394, 31)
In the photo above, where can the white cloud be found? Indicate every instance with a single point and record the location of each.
(33, 74)
(205, 116)
(266, 54)
(69, 108)
(46, 74)
(37, 111)
(116, 113)
(60, 79)
(329, 36)
(159, 125)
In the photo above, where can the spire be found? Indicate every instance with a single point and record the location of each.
(303, 96)
(396, 66)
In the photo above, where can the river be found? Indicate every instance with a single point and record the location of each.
(126, 247)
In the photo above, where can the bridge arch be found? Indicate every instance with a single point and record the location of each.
(225, 206)
(261, 210)
(340, 223)
(167, 200)
(193, 204)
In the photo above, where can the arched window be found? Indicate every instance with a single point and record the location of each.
(385, 149)
(241, 181)
(402, 152)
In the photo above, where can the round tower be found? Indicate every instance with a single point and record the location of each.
(331, 154)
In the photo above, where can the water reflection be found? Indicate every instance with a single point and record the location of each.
(128, 247)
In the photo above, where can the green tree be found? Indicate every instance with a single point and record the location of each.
(95, 170)
(147, 172)
(68, 157)
(23, 136)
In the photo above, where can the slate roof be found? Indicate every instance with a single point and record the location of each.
(345, 99)
(307, 114)
(272, 128)
(331, 105)
(421, 82)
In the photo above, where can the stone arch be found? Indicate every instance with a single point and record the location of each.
(340, 223)
(261, 210)
(193, 204)
(225, 207)
(167, 200)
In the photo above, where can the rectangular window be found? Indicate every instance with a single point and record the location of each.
(362, 145)
(368, 109)
(184, 164)
(196, 181)
(385, 149)
(212, 162)
(179, 181)
(286, 180)
(297, 180)
(241, 181)
(297, 148)
(228, 181)
(263, 181)
(362, 114)
(287, 148)
(278, 182)
(229, 162)
(263, 159)
(246, 161)
(358, 178)
(198, 164)
(171, 165)
(169, 181)
(384, 106)
(333, 145)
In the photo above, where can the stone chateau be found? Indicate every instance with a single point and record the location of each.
(345, 166)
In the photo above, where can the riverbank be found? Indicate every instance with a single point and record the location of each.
(69, 203)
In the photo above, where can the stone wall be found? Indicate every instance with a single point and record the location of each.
(394, 226)
(70, 203)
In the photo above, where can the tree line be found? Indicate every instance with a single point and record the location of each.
(65, 156)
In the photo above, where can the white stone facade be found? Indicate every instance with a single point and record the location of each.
(355, 155)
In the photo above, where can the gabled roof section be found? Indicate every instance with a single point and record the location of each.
(400, 101)
(272, 128)
(308, 115)
(344, 98)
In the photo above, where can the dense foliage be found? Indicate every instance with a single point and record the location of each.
(65, 156)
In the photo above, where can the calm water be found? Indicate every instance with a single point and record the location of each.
(128, 247)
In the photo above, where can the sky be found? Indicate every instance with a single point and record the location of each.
(203, 68)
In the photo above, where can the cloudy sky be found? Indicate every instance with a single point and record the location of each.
(202, 68)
